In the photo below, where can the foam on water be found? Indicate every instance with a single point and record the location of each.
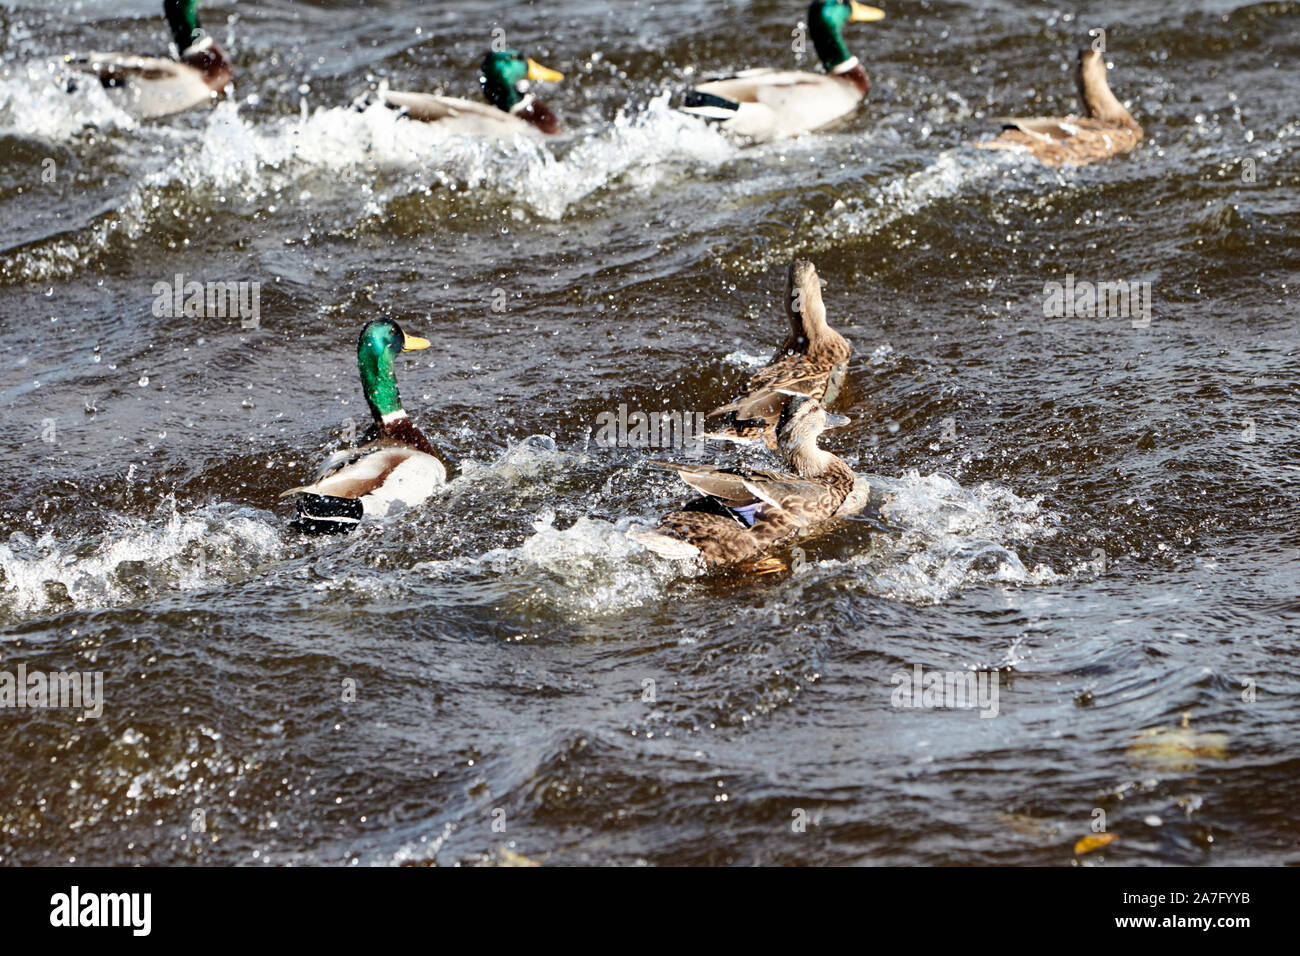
(945, 538)
(949, 538)
(746, 360)
(954, 172)
(134, 558)
(588, 569)
(34, 103)
(546, 177)
(524, 462)
(234, 158)
(591, 568)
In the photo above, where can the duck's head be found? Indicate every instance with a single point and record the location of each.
(826, 22)
(802, 420)
(505, 76)
(803, 300)
(380, 341)
(183, 18)
(1098, 101)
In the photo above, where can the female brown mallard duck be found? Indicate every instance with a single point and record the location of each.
(510, 109)
(813, 361)
(1108, 129)
(398, 468)
(149, 86)
(745, 512)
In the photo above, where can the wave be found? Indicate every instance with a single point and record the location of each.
(946, 538)
(364, 159)
(133, 558)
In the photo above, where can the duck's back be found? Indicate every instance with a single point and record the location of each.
(769, 104)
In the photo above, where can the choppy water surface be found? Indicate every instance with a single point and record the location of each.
(1103, 516)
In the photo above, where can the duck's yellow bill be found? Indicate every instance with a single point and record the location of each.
(541, 74)
(861, 13)
(412, 342)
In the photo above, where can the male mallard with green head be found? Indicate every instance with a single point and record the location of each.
(744, 511)
(1108, 130)
(813, 361)
(764, 104)
(513, 110)
(398, 468)
(150, 87)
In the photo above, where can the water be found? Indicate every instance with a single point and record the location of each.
(1102, 516)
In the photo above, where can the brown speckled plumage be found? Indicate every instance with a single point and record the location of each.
(1107, 130)
(813, 360)
(783, 504)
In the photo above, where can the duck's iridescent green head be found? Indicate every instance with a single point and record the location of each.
(380, 341)
(183, 18)
(826, 22)
(506, 74)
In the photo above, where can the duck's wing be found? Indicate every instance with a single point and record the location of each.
(1064, 141)
(725, 484)
(1045, 129)
(147, 86)
(766, 393)
(740, 488)
(342, 458)
(798, 496)
(764, 405)
(768, 104)
(430, 107)
(357, 472)
(760, 85)
(795, 373)
(457, 115)
(115, 69)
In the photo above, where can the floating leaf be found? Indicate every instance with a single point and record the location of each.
(1178, 748)
(1094, 841)
(511, 858)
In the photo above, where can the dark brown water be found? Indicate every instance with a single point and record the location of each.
(1104, 517)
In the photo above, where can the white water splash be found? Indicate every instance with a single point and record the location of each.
(590, 568)
(954, 172)
(34, 104)
(746, 360)
(384, 154)
(546, 177)
(951, 538)
(134, 559)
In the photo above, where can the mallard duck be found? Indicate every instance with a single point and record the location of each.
(764, 104)
(398, 467)
(513, 110)
(744, 511)
(813, 361)
(150, 87)
(1108, 129)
